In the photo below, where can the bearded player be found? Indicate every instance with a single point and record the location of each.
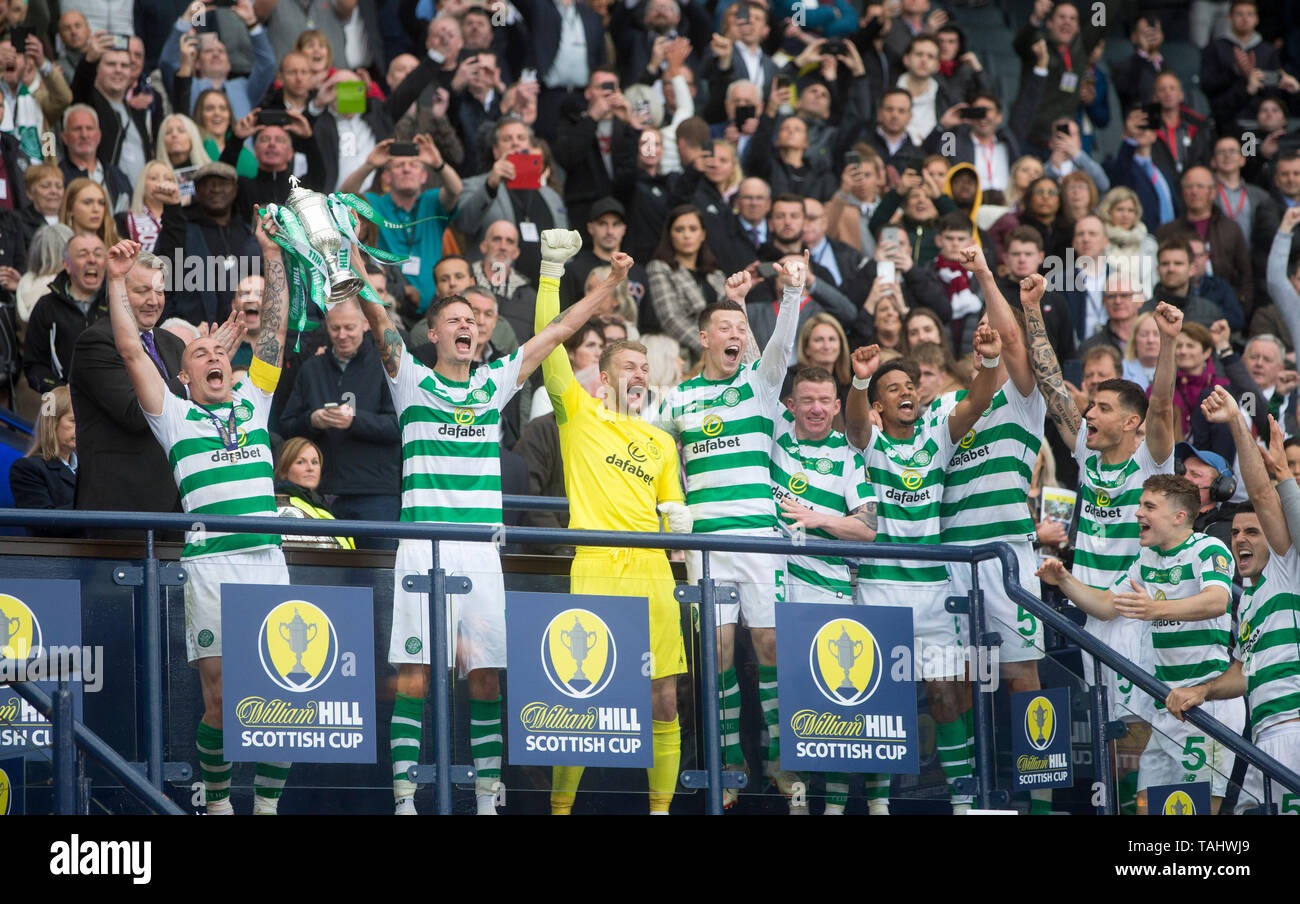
(220, 450)
(620, 474)
(451, 472)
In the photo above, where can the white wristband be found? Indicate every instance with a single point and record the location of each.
(553, 269)
(859, 383)
(991, 363)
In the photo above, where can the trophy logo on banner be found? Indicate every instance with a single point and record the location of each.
(1179, 804)
(20, 631)
(1040, 723)
(578, 653)
(845, 662)
(298, 646)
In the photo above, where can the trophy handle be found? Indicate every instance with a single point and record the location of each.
(314, 629)
(594, 639)
(832, 644)
(857, 649)
(566, 638)
(283, 635)
(17, 623)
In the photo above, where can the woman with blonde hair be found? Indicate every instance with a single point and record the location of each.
(47, 477)
(87, 210)
(44, 184)
(1131, 244)
(298, 469)
(156, 186)
(1142, 351)
(179, 142)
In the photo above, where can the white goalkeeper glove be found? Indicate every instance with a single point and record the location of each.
(558, 245)
(677, 516)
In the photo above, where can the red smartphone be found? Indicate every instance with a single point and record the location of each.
(528, 171)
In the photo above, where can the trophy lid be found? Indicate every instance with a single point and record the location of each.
(297, 192)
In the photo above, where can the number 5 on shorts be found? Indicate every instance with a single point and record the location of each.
(1191, 747)
(778, 579)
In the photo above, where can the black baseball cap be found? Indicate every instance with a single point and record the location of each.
(606, 205)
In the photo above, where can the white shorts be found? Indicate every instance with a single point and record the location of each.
(941, 638)
(203, 580)
(797, 591)
(1131, 639)
(1180, 753)
(1282, 743)
(1022, 632)
(476, 621)
(760, 578)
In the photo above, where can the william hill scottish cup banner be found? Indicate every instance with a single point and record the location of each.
(1192, 799)
(1040, 738)
(843, 709)
(40, 625)
(579, 680)
(299, 673)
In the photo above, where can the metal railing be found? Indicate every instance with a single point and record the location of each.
(712, 778)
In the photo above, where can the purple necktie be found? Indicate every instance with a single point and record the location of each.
(147, 338)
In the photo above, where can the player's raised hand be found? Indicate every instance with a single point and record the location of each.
(1181, 699)
(1289, 220)
(987, 343)
(738, 286)
(1219, 406)
(228, 334)
(558, 245)
(865, 360)
(121, 258)
(265, 228)
(1169, 319)
(1136, 604)
(620, 263)
(1032, 288)
(1275, 452)
(1052, 572)
(972, 259)
(794, 272)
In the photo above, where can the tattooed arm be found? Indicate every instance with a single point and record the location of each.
(1047, 370)
(860, 524)
(275, 299)
(385, 334)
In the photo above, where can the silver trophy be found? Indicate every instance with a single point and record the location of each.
(579, 642)
(846, 651)
(295, 632)
(323, 234)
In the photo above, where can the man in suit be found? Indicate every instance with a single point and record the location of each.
(567, 42)
(843, 262)
(743, 58)
(598, 149)
(122, 467)
(1133, 167)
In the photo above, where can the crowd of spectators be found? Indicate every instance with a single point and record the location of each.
(1132, 152)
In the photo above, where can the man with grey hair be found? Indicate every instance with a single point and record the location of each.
(340, 402)
(1265, 359)
(75, 301)
(82, 139)
(515, 294)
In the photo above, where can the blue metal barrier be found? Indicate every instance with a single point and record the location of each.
(486, 533)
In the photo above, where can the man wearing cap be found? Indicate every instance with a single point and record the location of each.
(606, 232)
(210, 249)
(1212, 475)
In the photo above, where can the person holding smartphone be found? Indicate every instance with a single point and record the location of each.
(34, 91)
(213, 66)
(598, 152)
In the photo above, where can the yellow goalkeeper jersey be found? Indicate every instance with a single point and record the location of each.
(617, 469)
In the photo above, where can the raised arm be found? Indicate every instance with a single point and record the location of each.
(1279, 284)
(778, 355)
(558, 245)
(557, 372)
(857, 410)
(145, 378)
(1047, 370)
(386, 336)
(1160, 411)
(1097, 603)
(1220, 407)
(1001, 318)
(988, 348)
(275, 297)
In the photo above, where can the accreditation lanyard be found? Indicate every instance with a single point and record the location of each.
(1227, 207)
(227, 431)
